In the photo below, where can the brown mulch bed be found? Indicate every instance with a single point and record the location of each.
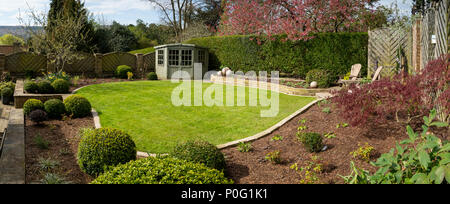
(251, 167)
(63, 144)
(90, 81)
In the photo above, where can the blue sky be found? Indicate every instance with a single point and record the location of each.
(123, 11)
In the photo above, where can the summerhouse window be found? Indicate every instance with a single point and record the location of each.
(174, 57)
(186, 57)
(201, 56)
(160, 57)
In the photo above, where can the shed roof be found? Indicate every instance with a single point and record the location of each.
(178, 45)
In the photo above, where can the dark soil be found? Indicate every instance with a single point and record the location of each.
(251, 167)
(63, 141)
(89, 81)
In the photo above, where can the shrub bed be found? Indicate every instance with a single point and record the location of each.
(334, 52)
(200, 152)
(104, 147)
(162, 171)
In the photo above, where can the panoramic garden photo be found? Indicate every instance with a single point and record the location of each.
(225, 92)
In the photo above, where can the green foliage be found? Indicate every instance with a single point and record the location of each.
(104, 147)
(334, 52)
(311, 140)
(51, 77)
(51, 178)
(244, 147)
(363, 152)
(45, 87)
(7, 92)
(48, 164)
(152, 76)
(166, 170)
(330, 135)
(41, 142)
(9, 39)
(55, 108)
(277, 138)
(31, 105)
(326, 110)
(143, 51)
(31, 87)
(320, 76)
(423, 159)
(77, 106)
(61, 86)
(122, 71)
(274, 157)
(309, 171)
(200, 152)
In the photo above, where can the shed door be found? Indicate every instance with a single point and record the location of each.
(180, 60)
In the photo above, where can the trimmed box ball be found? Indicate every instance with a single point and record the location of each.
(31, 105)
(77, 106)
(122, 71)
(45, 87)
(200, 152)
(55, 108)
(104, 147)
(61, 86)
(31, 87)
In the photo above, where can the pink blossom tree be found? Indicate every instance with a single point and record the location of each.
(296, 18)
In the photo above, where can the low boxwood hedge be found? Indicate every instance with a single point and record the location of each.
(77, 106)
(31, 105)
(159, 170)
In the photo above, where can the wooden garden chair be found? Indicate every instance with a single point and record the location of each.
(356, 69)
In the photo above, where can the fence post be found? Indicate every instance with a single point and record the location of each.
(2, 62)
(98, 64)
(416, 47)
(140, 64)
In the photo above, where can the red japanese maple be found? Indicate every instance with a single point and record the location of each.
(403, 97)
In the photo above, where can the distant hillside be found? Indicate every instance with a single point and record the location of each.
(15, 30)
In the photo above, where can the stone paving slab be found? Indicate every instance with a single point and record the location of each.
(12, 160)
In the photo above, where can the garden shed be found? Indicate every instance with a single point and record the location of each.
(171, 58)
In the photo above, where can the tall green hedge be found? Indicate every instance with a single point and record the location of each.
(335, 52)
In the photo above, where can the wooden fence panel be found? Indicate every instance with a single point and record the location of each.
(84, 66)
(111, 61)
(149, 62)
(19, 63)
(383, 48)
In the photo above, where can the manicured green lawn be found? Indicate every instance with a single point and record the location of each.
(144, 110)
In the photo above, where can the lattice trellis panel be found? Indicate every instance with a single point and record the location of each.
(111, 61)
(86, 65)
(18, 63)
(149, 62)
(383, 48)
(435, 22)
